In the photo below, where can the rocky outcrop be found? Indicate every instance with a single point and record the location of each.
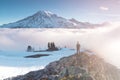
(36, 55)
(81, 66)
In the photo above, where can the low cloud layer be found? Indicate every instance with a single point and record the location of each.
(104, 41)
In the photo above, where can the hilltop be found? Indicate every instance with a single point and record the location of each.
(83, 66)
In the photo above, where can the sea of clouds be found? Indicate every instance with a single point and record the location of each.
(103, 41)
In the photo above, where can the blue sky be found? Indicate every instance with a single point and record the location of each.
(94, 11)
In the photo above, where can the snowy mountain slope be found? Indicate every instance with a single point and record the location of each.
(46, 19)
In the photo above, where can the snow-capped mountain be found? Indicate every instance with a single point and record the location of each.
(46, 19)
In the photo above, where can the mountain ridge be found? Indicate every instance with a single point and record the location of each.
(47, 19)
(81, 66)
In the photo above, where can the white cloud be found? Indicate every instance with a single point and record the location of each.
(103, 8)
(6, 72)
(105, 41)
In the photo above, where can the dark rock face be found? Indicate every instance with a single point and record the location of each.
(52, 47)
(81, 66)
(36, 55)
(29, 49)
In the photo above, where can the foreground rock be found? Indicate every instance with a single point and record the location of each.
(36, 55)
(76, 67)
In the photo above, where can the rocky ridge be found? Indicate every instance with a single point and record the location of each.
(81, 66)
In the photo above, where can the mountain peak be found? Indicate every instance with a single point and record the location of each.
(74, 20)
(47, 19)
(48, 13)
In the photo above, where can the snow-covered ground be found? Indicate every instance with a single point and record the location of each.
(47, 19)
(104, 41)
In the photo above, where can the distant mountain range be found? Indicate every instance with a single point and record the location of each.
(46, 19)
